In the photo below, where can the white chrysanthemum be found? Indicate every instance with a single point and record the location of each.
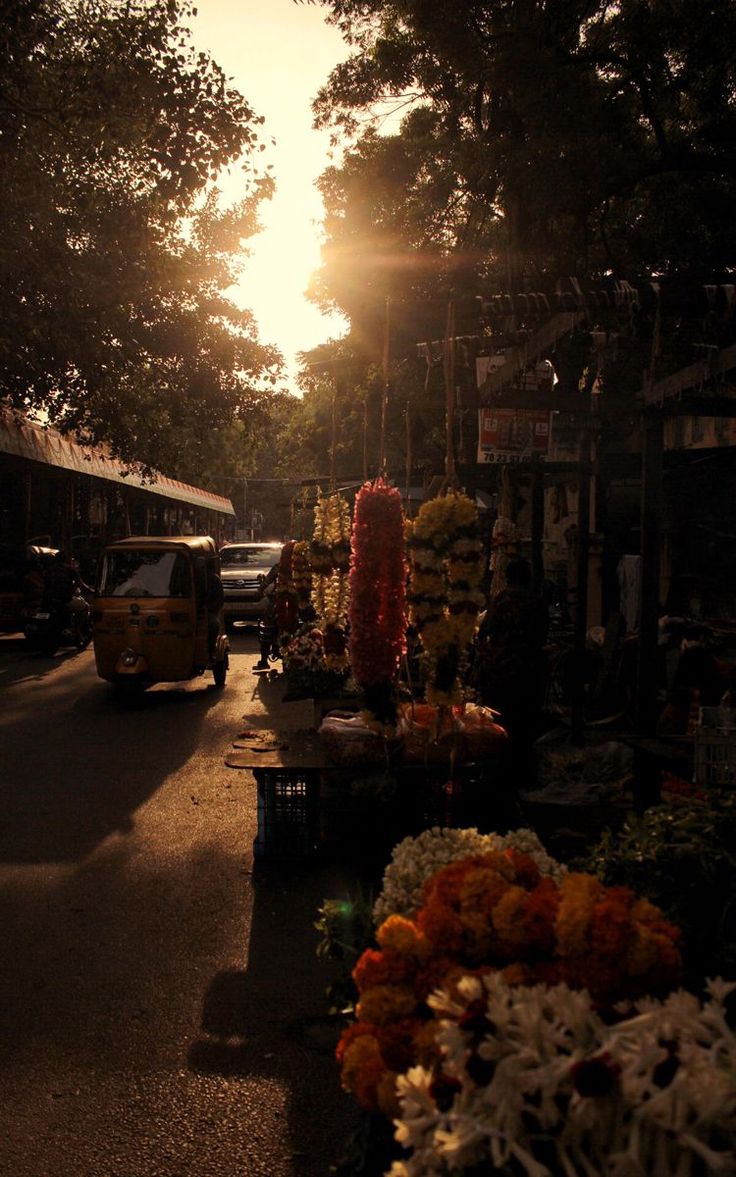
(663, 1101)
(414, 860)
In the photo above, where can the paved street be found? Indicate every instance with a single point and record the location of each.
(161, 1011)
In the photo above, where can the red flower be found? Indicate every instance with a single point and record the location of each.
(377, 585)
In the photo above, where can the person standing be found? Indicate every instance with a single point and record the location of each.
(511, 665)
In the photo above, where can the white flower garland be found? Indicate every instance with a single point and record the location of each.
(330, 557)
(416, 859)
(652, 1095)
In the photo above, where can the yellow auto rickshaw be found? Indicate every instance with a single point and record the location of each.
(157, 611)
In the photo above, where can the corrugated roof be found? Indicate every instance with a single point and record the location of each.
(37, 443)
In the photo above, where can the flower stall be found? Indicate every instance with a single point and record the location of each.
(516, 1017)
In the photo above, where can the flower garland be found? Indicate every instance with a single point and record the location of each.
(301, 572)
(446, 571)
(495, 912)
(377, 594)
(285, 598)
(415, 859)
(330, 559)
(536, 1074)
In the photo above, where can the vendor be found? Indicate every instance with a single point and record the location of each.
(511, 666)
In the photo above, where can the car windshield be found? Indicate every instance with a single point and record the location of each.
(237, 557)
(145, 574)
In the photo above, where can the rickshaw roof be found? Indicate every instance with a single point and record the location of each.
(203, 544)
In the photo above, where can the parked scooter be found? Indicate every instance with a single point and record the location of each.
(52, 626)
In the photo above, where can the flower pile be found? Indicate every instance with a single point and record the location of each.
(534, 1079)
(330, 561)
(377, 593)
(446, 570)
(416, 859)
(305, 651)
(496, 912)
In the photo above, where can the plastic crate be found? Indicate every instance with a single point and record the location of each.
(288, 813)
(714, 747)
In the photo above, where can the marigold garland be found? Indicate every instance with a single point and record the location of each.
(494, 912)
(330, 562)
(377, 595)
(446, 571)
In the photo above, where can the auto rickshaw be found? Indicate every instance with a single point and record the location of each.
(157, 611)
(21, 583)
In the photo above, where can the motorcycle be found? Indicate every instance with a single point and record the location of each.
(53, 625)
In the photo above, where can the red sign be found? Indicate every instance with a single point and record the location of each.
(512, 435)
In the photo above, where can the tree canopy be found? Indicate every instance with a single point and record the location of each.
(541, 137)
(115, 251)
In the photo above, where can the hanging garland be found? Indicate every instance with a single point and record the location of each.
(286, 598)
(446, 571)
(377, 596)
(330, 560)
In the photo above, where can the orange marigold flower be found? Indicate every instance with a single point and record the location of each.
(381, 968)
(442, 926)
(526, 870)
(482, 888)
(386, 1003)
(349, 1035)
(363, 1070)
(611, 925)
(397, 1043)
(387, 1099)
(401, 935)
(427, 1052)
(578, 895)
(517, 974)
(433, 975)
(508, 916)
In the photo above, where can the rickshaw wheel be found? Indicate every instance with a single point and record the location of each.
(220, 669)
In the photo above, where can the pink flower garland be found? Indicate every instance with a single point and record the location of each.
(377, 585)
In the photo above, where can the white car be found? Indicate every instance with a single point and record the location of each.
(243, 568)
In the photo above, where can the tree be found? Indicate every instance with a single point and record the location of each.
(555, 132)
(115, 252)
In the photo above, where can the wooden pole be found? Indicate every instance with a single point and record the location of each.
(577, 718)
(408, 452)
(449, 372)
(651, 510)
(537, 522)
(384, 391)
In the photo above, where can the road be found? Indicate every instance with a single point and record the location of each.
(161, 1010)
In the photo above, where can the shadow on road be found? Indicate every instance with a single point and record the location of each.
(77, 772)
(271, 1020)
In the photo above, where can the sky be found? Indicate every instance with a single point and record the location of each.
(277, 54)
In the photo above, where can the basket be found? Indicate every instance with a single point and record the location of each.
(288, 814)
(714, 747)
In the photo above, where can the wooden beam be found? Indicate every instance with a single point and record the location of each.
(699, 376)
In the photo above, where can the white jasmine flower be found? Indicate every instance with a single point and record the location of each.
(415, 860)
(654, 1094)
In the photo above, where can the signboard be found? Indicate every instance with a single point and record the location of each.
(512, 435)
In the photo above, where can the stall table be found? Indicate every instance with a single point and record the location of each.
(309, 805)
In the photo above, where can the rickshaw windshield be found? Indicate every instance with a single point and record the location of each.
(145, 574)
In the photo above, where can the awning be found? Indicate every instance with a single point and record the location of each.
(26, 439)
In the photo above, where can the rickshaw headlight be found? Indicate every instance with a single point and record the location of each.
(128, 657)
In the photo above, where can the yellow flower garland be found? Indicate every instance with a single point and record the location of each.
(330, 557)
(446, 571)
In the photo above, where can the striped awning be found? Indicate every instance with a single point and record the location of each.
(37, 443)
